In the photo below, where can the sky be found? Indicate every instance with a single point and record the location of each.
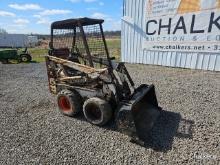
(35, 16)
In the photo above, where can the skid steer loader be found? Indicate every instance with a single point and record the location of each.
(85, 78)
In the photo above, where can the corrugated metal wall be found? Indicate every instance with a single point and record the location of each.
(132, 24)
(13, 40)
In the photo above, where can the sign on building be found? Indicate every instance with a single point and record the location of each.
(182, 25)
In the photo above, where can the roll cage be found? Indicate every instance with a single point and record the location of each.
(80, 40)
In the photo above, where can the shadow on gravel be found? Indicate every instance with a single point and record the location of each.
(168, 126)
(34, 62)
(13, 63)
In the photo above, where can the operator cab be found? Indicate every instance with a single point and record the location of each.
(80, 40)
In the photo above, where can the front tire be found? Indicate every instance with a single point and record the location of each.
(69, 103)
(26, 58)
(5, 61)
(97, 111)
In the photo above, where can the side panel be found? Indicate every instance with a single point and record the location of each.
(13, 40)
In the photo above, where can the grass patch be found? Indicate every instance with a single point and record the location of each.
(114, 46)
(38, 54)
(114, 43)
(38, 51)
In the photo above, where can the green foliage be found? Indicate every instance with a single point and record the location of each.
(38, 54)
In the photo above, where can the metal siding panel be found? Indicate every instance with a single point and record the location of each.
(173, 59)
(125, 7)
(177, 62)
(188, 60)
(122, 42)
(141, 25)
(132, 34)
(138, 35)
(148, 54)
(194, 60)
(132, 31)
(128, 8)
(153, 54)
(183, 60)
(134, 51)
(126, 42)
(168, 59)
(132, 39)
(160, 58)
(199, 61)
(212, 60)
(152, 57)
(144, 57)
(128, 32)
(164, 58)
(217, 63)
(205, 62)
(156, 56)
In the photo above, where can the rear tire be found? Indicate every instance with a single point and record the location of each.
(97, 111)
(26, 58)
(5, 61)
(69, 103)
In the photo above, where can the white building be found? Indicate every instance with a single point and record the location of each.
(177, 33)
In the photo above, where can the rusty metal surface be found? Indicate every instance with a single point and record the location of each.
(77, 66)
(51, 76)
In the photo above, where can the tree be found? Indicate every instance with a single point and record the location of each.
(3, 31)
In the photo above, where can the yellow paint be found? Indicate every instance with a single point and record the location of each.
(187, 6)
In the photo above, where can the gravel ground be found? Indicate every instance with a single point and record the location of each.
(32, 131)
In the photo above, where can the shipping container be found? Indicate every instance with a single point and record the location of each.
(17, 40)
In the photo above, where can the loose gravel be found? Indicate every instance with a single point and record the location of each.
(32, 131)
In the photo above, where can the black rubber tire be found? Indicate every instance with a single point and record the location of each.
(25, 57)
(73, 102)
(97, 111)
(5, 61)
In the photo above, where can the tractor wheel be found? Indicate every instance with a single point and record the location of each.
(97, 111)
(69, 103)
(5, 61)
(26, 58)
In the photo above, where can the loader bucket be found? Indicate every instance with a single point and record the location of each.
(137, 117)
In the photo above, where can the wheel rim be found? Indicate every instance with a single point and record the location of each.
(64, 104)
(93, 112)
(24, 59)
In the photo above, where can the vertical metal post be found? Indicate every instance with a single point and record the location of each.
(86, 45)
(74, 38)
(51, 39)
(105, 44)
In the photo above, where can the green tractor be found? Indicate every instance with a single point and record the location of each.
(14, 54)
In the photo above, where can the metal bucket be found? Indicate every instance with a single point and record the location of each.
(137, 117)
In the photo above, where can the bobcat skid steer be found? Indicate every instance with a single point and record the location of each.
(85, 78)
